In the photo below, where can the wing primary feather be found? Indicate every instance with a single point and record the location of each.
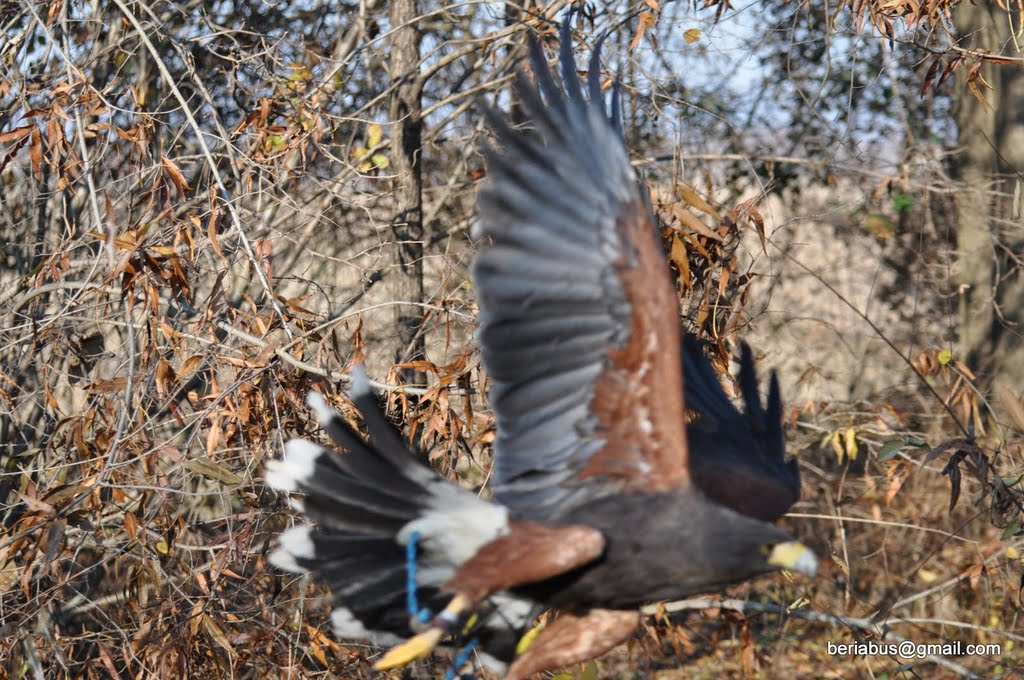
(570, 78)
(503, 260)
(748, 386)
(511, 288)
(536, 392)
(511, 139)
(566, 410)
(530, 236)
(616, 106)
(704, 392)
(594, 74)
(549, 120)
(565, 125)
(774, 428)
(545, 359)
(545, 81)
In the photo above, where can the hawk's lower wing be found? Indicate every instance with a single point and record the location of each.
(738, 459)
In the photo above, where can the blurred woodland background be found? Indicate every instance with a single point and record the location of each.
(208, 206)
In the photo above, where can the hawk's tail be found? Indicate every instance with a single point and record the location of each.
(368, 504)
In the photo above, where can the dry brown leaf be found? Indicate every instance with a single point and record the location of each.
(216, 634)
(35, 152)
(644, 22)
(681, 260)
(1011, 403)
(694, 199)
(16, 134)
(174, 172)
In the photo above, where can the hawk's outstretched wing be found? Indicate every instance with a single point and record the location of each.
(738, 459)
(579, 318)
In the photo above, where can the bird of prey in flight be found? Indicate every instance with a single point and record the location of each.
(605, 497)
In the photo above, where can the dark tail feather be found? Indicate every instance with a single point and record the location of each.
(366, 503)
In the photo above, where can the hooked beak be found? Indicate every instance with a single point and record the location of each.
(794, 556)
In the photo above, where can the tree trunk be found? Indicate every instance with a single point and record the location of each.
(990, 232)
(407, 225)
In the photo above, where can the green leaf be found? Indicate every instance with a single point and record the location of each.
(1011, 530)
(380, 161)
(902, 203)
(945, 356)
(590, 672)
(890, 449)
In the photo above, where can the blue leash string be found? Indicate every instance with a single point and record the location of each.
(411, 601)
(423, 615)
(460, 660)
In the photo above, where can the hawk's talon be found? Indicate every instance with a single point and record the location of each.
(419, 646)
(412, 649)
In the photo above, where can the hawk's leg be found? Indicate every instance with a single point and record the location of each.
(526, 553)
(573, 638)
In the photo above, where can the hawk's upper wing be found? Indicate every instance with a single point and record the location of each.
(579, 318)
(738, 459)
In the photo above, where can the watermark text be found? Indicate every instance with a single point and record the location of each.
(913, 650)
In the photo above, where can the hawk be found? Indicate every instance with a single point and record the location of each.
(605, 497)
